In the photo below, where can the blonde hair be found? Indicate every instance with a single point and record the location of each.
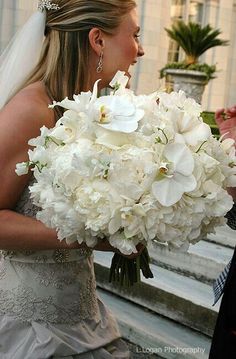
(63, 64)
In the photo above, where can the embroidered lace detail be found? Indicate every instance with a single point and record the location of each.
(11, 254)
(47, 256)
(2, 270)
(7, 254)
(22, 303)
(54, 275)
(25, 204)
(69, 294)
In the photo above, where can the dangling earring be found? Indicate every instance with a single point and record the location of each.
(100, 63)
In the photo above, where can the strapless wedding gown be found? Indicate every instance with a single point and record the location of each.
(49, 307)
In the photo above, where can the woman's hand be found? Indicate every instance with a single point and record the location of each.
(226, 121)
(140, 247)
(105, 246)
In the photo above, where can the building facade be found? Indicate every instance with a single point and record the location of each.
(155, 16)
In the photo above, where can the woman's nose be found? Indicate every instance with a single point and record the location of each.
(140, 50)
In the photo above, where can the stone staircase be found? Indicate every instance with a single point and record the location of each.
(171, 315)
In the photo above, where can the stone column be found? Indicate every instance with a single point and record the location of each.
(219, 15)
(212, 11)
(230, 98)
(154, 17)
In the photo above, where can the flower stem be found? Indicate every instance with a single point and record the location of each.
(126, 272)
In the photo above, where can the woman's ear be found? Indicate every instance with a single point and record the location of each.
(96, 40)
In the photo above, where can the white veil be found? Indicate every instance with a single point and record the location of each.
(21, 55)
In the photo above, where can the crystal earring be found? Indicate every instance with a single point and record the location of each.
(100, 63)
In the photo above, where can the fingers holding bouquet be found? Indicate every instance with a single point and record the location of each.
(126, 269)
(226, 120)
(140, 248)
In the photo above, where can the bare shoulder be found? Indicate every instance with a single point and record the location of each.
(28, 110)
(20, 120)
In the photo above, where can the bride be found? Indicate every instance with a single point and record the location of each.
(48, 302)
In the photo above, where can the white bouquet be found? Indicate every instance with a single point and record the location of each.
(131, 169)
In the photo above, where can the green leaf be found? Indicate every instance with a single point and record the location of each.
(195, 39)
(209, 70)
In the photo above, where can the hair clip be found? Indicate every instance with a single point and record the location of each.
(47, 4)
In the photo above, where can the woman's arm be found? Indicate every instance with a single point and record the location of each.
(21, 120)
(18, 232)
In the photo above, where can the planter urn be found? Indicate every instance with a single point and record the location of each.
(191, 82)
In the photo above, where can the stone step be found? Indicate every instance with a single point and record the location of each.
(203, 261)
(224, 236)
(152, 333)
(177, 297)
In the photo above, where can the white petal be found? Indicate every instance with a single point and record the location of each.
(119, 78)
(119, 105)
(111, 139)
(170, 191)
(188, 183)
(121, 126)
(114, 224)
(59, 133)
(199, 133)
(126, 124)
(181, 156)
(68, 104)
(22, 168)
(165, 193)
(227, 144)
(95, 91)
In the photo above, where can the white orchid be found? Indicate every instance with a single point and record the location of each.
(117, 113)
(174, 175)
(80, 103)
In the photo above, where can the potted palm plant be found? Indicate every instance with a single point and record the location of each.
(190, 75)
